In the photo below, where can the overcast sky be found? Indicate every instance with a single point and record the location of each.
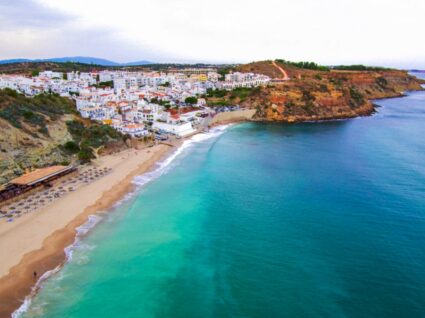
(380, 32)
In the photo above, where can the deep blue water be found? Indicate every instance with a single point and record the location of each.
(266, 220)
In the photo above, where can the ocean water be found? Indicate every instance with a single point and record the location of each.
(264, 220)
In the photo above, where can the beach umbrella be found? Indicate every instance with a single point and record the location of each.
(9, 216)
(21, 203)
(17, 212)
(12, 208)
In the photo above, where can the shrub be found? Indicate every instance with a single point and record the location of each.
(86, 154)
(381, 81)
(305, 65)
(191, 100)
(356, 96)
(71, 147)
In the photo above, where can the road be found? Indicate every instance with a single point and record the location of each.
(281, 70)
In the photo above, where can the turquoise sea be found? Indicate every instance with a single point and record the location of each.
(264, 220)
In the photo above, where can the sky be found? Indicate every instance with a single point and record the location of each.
(373, 32)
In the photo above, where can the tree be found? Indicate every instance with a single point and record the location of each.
(86, 154)
(191, 100)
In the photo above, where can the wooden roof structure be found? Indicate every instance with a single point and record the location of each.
(39, 175)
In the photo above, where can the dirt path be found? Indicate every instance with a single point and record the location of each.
(281, 70)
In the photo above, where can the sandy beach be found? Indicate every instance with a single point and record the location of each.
(36, 242)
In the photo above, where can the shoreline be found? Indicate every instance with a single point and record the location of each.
(18, 282)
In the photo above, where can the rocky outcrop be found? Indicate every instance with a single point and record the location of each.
(321, 95)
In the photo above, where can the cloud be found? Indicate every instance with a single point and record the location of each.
(29, 29)
(328, 31)
(28, 14)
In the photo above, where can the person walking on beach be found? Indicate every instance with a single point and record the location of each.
(35, 274)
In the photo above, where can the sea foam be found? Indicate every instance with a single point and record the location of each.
(164, 166)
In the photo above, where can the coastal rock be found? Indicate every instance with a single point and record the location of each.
(312, 95)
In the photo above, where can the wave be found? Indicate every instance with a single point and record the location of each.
(162, 168)
(82, 230)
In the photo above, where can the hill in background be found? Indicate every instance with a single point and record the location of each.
(78, 59)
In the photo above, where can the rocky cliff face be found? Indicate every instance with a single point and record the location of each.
(320, 95)
(22, 149)
(45, 130)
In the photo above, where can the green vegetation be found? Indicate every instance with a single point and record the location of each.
(217, 93)
(356, 96)
(381, 81)
(86, 154)
(223, 72)
(36, 111)
(225, 98)
(71, 147)
(161, 102)
(191, 100)
(304, 65)
(359, 67)
(243, 93)
(85, 139)
(308, 107)
(166, 84)
(323, 88)
(307, 96)
(93, 136)
(104, 84)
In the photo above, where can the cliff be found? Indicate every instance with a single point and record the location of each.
(320, 95)
(46, 130)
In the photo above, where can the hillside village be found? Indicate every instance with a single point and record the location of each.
(137, 103)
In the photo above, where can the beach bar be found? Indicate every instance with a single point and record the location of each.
(38, 178)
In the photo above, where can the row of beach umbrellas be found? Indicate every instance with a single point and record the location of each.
(40, 198)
